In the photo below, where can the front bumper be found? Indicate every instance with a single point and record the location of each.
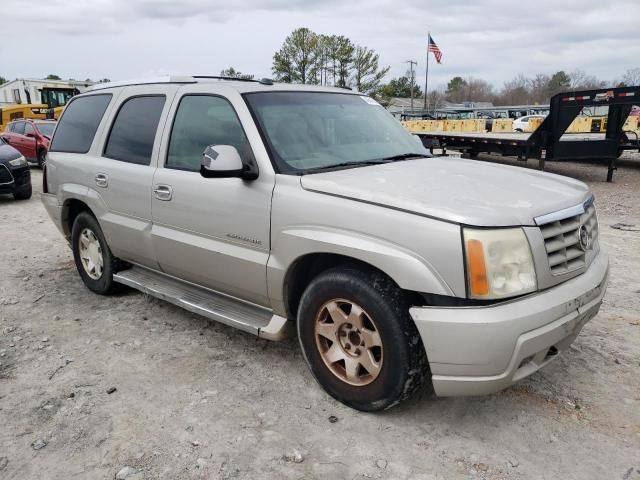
(20, 180)
(480, 350)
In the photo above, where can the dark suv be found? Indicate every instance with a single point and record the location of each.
(31, 138)
(15, 176)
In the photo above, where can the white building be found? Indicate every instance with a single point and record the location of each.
(31, 90)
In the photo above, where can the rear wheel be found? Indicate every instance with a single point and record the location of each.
(359, 340)
(94, 261)
(42, 157)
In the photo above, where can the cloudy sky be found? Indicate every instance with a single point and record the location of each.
(490, 39)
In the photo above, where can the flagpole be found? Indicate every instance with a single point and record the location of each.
(426, 76)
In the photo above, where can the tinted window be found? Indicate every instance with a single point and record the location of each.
(18, 128)
(134, 130)
(79, 123)
(309, 130)
(28, 128)
(46, 128)
(202, 121)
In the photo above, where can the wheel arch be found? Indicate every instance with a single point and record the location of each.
(71, 208)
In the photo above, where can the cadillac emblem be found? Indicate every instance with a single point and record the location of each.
(583, 238)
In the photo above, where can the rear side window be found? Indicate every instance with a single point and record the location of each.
(28, 128)
(18, 128)
(134, 130)
(79, 123)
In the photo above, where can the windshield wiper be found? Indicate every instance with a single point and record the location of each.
(348, 164)
(404, 156)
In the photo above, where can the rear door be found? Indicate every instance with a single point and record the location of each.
(123, 175)
(29, 141)
(14, 136)
(212, 232)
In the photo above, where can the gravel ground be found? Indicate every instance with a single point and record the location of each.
(195, 399)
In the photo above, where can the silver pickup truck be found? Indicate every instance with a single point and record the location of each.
(275, 208)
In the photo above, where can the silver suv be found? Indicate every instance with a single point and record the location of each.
(275, 208)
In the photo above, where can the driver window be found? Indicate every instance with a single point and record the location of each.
(200, 121)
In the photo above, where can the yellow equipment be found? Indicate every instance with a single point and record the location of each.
(35, 111)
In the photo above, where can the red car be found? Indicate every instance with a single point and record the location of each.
(30, 137)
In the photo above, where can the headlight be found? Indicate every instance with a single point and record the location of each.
(18, 162)
(499, 263)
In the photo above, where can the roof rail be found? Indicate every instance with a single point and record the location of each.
(263, 81)
(173, 79)
(143, 81)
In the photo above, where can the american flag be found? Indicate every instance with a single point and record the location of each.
(434, 48)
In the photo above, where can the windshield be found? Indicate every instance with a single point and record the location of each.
(46, 129)
(308, 131)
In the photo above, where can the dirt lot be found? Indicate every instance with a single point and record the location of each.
(196, 399)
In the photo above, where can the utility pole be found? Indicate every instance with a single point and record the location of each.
(411, 64)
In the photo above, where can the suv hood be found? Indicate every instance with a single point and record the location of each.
(469, 192)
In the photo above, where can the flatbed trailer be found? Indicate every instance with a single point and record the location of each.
(550, 140)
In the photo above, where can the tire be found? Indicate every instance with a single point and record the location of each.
(399, 365)
(97, 280)
(473, 154)
(42, 157)
(23, 195)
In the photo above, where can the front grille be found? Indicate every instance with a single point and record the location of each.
(5, 175)
(562, 240)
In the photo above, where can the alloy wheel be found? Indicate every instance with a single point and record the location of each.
(348, 342)
(90, 253)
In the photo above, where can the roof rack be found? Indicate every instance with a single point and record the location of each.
(174, 79)
(262, 81)
(143, 81)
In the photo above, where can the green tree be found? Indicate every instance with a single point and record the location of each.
(367, 74)
(295, 62)
(233, 73)
(455, 89)
(344, 51)
(51, 76)
(3, 80)
(559, 82)
(400, 87)
(104, 80)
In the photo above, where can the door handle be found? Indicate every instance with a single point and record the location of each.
(102, 180)
(163, 192)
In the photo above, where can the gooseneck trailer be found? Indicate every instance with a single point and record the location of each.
(550, 141)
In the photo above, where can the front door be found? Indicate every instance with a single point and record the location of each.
(213, 232)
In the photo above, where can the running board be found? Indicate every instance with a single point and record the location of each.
(216, 306)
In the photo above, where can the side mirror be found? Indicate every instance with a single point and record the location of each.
(221, 161)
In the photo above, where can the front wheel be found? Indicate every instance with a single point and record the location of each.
(94, 261)
(23, 194)
(359, 340)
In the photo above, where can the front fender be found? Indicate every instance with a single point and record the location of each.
(406, 268)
